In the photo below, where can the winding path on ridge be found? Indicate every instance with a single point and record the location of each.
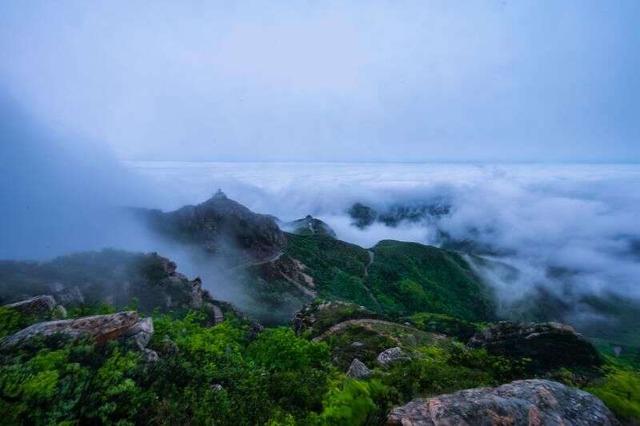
(366, 275)
(369, 323)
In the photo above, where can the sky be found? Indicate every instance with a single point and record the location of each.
(491, 80)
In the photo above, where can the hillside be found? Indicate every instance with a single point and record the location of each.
(334, 334)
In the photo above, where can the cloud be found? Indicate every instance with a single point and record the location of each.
(570, 229)
(332, 81)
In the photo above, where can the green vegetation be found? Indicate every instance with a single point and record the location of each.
(620, 391)
(338, 268)
(439, 323)
(407, 278)
(228, 374)
(402, 279)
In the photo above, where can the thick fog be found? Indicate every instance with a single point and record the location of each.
(490, 80)
(92, 95)
(569, 228)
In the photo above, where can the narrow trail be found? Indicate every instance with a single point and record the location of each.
(366, 267)
(249, 264)
(366, 275)
(368, 323)
(272, 259)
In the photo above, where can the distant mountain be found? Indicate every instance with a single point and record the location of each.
(221, 226)
(309, 225)
(363, 216)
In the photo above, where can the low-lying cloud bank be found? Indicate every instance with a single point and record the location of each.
(570, 230)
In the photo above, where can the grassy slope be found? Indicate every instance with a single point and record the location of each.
(404, 278)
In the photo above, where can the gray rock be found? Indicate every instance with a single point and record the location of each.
(69, 296)
(101, 328)
(392, 356)
(520, 403)
(150, 356)
(38, 306)
(140, 333)
(358, 370)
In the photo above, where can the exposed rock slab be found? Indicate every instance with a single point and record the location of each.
(548, 345)
(358, 370)
(520, 403)
(318, 317)
(37, 306)
(392, 356)
(127, 325)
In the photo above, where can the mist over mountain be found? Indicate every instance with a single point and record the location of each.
(320, 213)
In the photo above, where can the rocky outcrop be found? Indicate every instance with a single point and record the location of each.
(548, 345)
(102, 328)
(317, 317)
(113, 277)
(221, 226)
(392, 356)
(520, 403)
(38, 306)
(309, 225)
(358, 370)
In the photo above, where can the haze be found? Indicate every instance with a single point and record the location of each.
(331, 81)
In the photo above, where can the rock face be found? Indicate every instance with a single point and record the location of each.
(520, 403)
(317, 317)
(309, 225)
(392, 356)
(221, 226)
(122, 325)
(357, 370)
(38, 306)
(548, 345)
(114, 277)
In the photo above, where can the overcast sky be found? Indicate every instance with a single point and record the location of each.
(339, 81)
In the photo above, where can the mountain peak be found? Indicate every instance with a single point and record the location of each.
(219, 195)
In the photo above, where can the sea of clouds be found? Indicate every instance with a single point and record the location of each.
(573, 229)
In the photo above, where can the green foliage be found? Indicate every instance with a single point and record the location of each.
(447, 367)
(620, 391)
(74, 383)
(298, 369)
(439, 323)
(11, 321)
(354, 402)
(338, 268)
(407, 278)
(403, 279)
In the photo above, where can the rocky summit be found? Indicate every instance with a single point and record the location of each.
(369, 329)
(222, 226)
(520, 403)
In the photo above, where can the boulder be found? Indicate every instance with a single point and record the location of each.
(102, 328)
(524, 402)
(392, 356)
(69, 296)
(358, 370)
(38, 306)
(549, 345)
